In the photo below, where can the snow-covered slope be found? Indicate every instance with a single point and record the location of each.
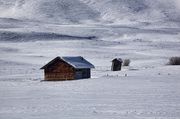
(75, 11)
(148, 89)
(48, 10)
(33, 32)
(136, 10)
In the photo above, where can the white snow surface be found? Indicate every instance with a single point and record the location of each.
(33, 32)
(147, 89)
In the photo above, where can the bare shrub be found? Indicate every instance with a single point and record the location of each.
(126, 62)
(174, 61)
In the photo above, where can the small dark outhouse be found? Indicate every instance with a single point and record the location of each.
(116, 64)
(67, 68)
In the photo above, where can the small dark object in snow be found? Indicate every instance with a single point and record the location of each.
(126, 62)
(116, 64)
(94, 111)
(174, 61)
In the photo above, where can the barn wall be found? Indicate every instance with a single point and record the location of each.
(86, 73)
(59, 71)
(82, 73)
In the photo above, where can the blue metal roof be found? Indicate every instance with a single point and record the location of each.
(78, 62)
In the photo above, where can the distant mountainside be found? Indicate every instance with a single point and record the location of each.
(90, 11)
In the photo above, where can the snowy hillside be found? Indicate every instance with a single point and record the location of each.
(80, 11)
(33, 32)
(48, 10)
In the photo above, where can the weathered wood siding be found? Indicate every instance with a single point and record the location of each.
(60, 71)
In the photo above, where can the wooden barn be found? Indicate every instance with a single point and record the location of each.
(67, 68)
(116, 64)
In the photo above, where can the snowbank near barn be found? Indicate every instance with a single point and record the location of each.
(139, 95)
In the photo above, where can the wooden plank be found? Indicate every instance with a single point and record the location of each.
(60, 71)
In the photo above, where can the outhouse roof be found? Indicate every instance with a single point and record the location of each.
(117, 59)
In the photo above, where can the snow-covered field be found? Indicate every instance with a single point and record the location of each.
(113, 97)
(33, 32)
(151, 89)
